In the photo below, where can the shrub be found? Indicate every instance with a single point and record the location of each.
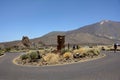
(96, 51)
(64, 51)
(93, 52)
(82, 52)
(7, 49)
(51, 58)
(67, 55)
(42, 52)
(1, 54)
(24, 56)
(33, 56)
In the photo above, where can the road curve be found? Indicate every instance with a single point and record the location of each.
(107, 68)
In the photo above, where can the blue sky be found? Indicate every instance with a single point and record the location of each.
(35, 18)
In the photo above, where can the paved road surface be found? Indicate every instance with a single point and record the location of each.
(107, 68)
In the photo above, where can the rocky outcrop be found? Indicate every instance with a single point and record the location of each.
(26, 42)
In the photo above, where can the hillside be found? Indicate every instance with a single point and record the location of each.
(103, 32)
(105, 28)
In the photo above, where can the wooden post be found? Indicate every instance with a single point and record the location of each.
(60, 41)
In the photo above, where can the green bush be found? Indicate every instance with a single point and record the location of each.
(1, 53)
(24, 56)
(33, 56)
(7, 49)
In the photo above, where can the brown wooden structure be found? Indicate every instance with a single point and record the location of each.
(61, 42)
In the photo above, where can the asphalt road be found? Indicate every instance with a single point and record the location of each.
(107, 68)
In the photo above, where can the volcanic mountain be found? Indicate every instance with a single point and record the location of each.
(103, 32)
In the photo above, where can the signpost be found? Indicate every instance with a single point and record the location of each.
(61, 42)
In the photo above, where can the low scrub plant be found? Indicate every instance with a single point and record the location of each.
(67, 55)
(92, 52)
(24, 56)
(7, 49)
(34, 56)
(82, 52)
(42, 52)
(1, 53)
(51, 58)
(96, 51)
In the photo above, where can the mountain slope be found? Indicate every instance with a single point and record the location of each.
(105, 28)
(103, 32)
(76, 38)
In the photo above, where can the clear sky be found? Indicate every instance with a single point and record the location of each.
(35, 18)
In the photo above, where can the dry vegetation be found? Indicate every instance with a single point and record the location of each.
(108, 47)
(46, 57)
(67, 55)
(51, 58)
(1, 52)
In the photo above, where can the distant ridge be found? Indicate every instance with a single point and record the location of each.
(103, 32)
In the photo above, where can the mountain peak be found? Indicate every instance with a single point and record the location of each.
(104, 21)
